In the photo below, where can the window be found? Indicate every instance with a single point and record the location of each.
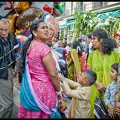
(98, 4)
(79, 7)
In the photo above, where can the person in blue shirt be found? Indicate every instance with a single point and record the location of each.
(110, 91)
(7, 63)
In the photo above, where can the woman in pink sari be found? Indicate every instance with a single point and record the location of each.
(44, 77)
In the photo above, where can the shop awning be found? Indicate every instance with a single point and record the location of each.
(68, 22)
(113, 12)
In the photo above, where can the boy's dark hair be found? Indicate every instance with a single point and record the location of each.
(91, 76)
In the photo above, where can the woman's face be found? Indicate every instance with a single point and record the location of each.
(95, 42)
(42, 32)
(113, 74)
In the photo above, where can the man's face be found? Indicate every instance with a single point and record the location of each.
(4, 30)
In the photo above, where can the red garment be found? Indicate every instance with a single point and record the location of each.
(65, 55)
(83, 58)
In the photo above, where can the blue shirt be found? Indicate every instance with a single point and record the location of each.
(5, 47)
(110, 93)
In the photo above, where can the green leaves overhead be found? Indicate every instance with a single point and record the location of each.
(83, 24)
(86, 22)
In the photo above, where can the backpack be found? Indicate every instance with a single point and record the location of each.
(99, 109)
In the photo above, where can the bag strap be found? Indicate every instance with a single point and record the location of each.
(100, 94)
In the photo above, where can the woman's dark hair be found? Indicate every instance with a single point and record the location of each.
(114, 43)
(89, 36)
(79, 39)
(76, 45)
(115, 66)
(100, 34)
(108, 44)
(92, 76)
(21, 62)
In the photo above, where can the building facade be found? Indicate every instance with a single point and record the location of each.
(103, 9)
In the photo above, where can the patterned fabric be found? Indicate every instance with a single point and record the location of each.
(101, 65)
(41, 82)
(110, 93)
(74, 65)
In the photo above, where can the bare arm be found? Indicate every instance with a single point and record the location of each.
(50, 66)
(111, 110)
(117, 109)
(71, 83)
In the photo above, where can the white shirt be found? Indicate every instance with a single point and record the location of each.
(90, 47)
(56, 58)
(68, 48)
(55, 45)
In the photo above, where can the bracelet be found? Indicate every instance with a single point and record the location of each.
(59, 92)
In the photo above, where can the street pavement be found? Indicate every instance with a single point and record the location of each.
(17, 99)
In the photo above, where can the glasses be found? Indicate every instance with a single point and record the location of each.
(6, 30)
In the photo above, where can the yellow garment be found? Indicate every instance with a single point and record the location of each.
(74, 65)
(12, 22)
(21, 6)
(80, 104)
(101, 65)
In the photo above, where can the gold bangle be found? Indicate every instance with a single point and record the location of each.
(59, 92)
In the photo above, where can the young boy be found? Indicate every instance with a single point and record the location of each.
(80, 92)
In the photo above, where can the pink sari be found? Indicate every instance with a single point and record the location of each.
(40, 81)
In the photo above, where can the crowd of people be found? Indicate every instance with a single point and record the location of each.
(45, 69)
